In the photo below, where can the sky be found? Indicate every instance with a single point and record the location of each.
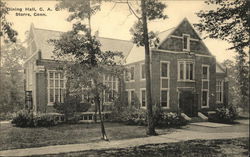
(113, 21)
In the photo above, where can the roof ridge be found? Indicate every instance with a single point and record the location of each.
(97, 37)
(114, 39)
(166, 30)
(49, 30)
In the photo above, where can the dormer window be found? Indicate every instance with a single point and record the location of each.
(186, 42)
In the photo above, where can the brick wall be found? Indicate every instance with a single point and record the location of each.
(173, 58)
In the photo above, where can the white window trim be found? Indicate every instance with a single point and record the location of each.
(129, 95)
(188, 42)
(208, 74)
(165, 89)
(142, 79)
(184, 72)
(143, 89)
(222, 91)
(114, 79)
(129, 74)
(207, 98)
(208, 83)
(48, 88)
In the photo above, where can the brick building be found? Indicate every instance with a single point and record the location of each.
(185, 75)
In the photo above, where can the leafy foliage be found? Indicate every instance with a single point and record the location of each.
(154, 10)
(136, 116)
(6, 31)
(224, 114)
(24, 118)
(229, 21)
(71, 105)
(238, 90)
(11, 78)
(167, 119)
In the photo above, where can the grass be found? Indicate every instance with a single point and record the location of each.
(14, 137)
(200, 148)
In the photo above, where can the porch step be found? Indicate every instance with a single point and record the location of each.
(185, 117)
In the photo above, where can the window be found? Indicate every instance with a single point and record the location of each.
(204, 98)
(186, 70)
(143, 74)
(186, 42)
(112, 87)
(205, 86)
(164, 70)
(131, 96)
(219, 91)
(130, 74)
(164, 98)
(143, 97)
(56, 86)
(205, 72)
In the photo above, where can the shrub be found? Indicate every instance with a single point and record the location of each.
(224, 114)
(23, 118)
(135, 116)
(129, 115)
(171, 120)
(167, 119)
(7, 116)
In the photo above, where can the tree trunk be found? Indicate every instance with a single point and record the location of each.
(98, 105)
(151, 127)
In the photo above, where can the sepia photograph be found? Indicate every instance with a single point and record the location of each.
(124, 78)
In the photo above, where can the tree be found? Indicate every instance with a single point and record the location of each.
(5, 26)
(11, 84)
(230, 21)
(85, 61)
(235, 95)
(149, 10)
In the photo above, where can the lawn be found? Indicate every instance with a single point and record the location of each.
(200, 148)
(14, 137)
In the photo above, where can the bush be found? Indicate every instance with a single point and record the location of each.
(129, 115)
(135, 116)
(7, 116)
(224, 114)
(168, 119)
(25, 118)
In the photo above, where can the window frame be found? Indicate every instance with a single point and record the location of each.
(188, 42)
(127, 74)
(130, 95)
(185, 62)
(141, 75)
(221, 91)
(208, 83)
(113, 90)
(205, 90)
(143, 89)
(50, 103)
(208, 74)
(162, 78)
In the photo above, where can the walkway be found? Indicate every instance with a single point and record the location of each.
(179, 135)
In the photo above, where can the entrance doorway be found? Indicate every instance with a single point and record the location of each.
(188, 103)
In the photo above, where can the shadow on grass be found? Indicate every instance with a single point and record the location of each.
(191, 148)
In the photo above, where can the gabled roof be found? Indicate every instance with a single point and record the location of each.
(43, 35)
(220, 68)
(138, 53)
